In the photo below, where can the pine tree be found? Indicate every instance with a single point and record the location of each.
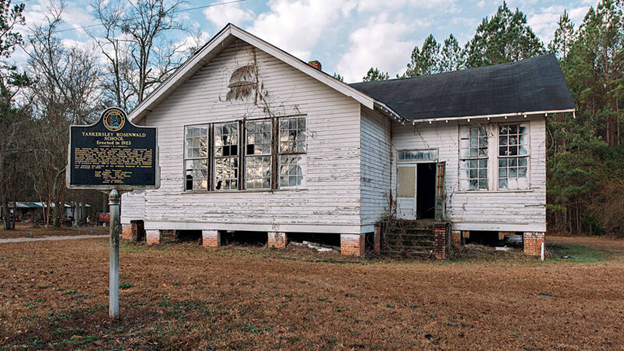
(506, 37)
(564, 36)
(426, 60)
(339, 77)
(586, 158)
(451, 56)
(374, 74)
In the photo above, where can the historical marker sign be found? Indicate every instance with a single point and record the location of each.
(113, 154)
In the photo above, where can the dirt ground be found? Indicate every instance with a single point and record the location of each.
(53, 295)
(27, 230)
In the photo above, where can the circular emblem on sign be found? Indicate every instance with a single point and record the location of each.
(114, 119)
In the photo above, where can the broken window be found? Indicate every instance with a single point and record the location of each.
(418, 155)
(226, 156)
(513, 156)
(292, 148)
(258, 155)
(196, 158)
(293, 135)
(473, 158)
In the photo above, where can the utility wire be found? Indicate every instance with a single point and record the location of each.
(182, 10)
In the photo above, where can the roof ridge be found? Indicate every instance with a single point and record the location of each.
(458, 71)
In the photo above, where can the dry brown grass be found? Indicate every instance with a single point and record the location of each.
(53, 296)
(27, 230)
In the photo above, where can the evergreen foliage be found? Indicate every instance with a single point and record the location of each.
(506, 37)
(374, 74)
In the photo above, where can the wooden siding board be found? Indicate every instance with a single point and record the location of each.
(375, 149)
(331, 197)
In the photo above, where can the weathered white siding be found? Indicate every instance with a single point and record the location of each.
(330, 200)
(376, 146)
(482, 210)
(132, 206)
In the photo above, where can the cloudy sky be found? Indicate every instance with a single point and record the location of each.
(347, 36)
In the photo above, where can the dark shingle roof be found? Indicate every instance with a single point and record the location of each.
(531, 85)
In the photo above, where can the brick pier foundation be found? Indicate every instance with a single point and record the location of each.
(533, 243)
(152, 237)
(352, 244)
(377, 240)
(211, 238)
(277, 240)
(126, 231)
(442, 241)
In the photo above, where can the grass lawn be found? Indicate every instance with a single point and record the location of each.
(53, 295)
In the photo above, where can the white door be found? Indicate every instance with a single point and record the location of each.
(406, 192)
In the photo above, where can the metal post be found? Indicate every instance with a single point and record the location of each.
(113, 286)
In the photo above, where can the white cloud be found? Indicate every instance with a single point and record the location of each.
(297, 26)
(544, 21)
(378, 44)
(375, 5)
(578, 14)
(230, 13)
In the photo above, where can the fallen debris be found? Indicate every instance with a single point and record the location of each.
(316, 246)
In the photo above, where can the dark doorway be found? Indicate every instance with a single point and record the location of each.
(425, 190)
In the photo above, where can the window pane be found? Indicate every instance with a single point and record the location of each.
(196, 175)
(474, 158)
(259, 138)
(522, 161)
(291, 172)
(226, 139)
(292, 135)
(196, 142)
(512, 169)
(474, 184)
(258, 172)
(226, 173)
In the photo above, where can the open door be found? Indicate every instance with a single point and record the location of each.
(406, 192)
(440, 203)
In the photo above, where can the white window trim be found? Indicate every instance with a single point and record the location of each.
(528, 156)
(185, 158)
(493, 149)
(488, 131)
(271, 156)
(215, 157)
(304, 156)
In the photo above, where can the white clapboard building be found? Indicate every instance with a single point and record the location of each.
(253, 139)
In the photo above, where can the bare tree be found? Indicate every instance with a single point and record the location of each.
(135, 43)
(66, 92)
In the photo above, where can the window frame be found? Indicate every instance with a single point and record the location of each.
(493, 130)
(478, 158)
(302, 154)
(185, 158)
(526, 124)
(214, 157)
(271, 155)
(275, 156)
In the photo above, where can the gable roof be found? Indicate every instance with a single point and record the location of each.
(219, 42)
(530, 86)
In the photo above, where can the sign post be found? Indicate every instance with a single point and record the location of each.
(113, 155)
(113, 286)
